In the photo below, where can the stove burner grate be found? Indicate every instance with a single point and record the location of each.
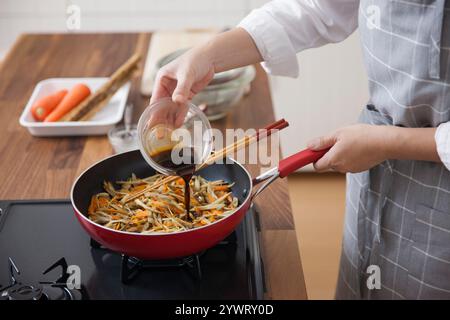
(55, 290)
(132, 266)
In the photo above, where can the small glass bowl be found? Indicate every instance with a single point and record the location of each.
(123, 140)
(165, 125)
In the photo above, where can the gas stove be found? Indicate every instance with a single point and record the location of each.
(59, 289)
(46, 255)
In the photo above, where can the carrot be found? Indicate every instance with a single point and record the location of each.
(176, 210)
(78, 93)
(102, 202)
(45, 105)
(138, 188)
(210, 198)
(221, 188)
(168, 223)
(141, 214)
(112, 211)
(93, 205)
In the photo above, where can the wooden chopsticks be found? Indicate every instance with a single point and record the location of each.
(245, 141)
(242, 143)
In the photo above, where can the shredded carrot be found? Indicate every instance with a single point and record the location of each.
(93, 205)
(139, 188)
(102, 202)
(162, 210)
(112, 211)
(222, 188)
(168, 223)
(176, 209)
(141, 214)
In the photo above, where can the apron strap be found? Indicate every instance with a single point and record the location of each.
(435, 43)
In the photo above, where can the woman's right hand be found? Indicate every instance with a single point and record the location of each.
(187, 75)
(180, 80)
(184, 77)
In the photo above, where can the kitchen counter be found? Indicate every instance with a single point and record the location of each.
(34, 168)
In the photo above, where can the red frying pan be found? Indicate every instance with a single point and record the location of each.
(183, 243)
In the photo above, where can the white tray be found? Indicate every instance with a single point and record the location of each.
(100, 124)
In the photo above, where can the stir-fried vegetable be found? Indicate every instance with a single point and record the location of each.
(162, 209)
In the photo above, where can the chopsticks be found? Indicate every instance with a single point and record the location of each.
(242, 143)
(245, 141)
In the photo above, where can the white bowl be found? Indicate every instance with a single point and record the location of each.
(100, 124)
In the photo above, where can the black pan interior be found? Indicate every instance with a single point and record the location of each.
(121, 166)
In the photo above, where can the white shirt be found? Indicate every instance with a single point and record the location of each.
(282, 28)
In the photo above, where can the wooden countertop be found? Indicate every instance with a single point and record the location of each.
(33, 168)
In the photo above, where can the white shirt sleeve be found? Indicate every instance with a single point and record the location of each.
(442, 137)
(282, 28)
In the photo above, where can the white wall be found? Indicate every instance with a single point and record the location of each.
(329, 93)
(18, 16)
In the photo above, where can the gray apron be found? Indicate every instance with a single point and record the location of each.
(398, 213)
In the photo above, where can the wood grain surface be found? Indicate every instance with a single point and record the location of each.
(33, 168)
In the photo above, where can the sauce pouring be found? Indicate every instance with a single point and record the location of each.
(174, 147)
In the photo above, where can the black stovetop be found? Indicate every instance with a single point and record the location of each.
(35, 234)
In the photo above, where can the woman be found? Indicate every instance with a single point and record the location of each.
(398, 157)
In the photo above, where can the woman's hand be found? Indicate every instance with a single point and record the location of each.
(354, 148)
(360, 147)
(190, 73)
(182, 78)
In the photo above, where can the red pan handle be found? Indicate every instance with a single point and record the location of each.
(299, 160)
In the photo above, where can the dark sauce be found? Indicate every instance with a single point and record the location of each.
(185, 169)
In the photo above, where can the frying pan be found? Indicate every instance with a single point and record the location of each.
(179, 244)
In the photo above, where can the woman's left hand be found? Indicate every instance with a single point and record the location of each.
(354, 148)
